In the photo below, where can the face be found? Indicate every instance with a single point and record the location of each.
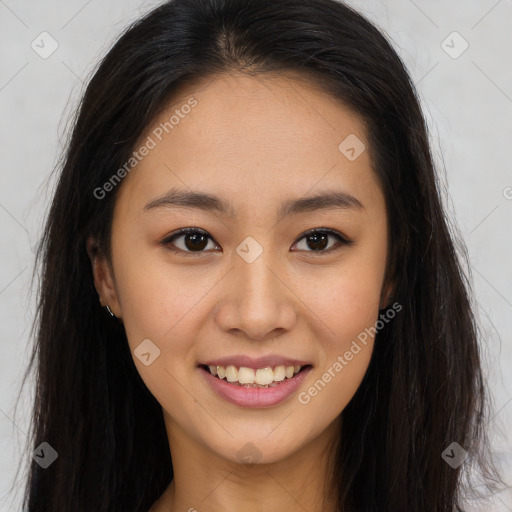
(250, 285)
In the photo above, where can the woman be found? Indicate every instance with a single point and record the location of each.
(249, 193)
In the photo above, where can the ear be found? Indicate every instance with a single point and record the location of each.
(387, 293)
(386, 296)
(103, 279)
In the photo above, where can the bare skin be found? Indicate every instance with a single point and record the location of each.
(255, 142)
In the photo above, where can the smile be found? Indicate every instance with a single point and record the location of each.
(251, 378)
(254, 387)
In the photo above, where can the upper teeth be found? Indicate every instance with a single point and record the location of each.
(261, 376)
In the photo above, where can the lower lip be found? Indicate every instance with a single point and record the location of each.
(255, 397)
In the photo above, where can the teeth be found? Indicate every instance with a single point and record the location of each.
(279, 373)
(249, 377)
(231, 373)
(246, 376)
(264, 376)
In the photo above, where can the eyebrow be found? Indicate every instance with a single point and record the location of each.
(329, 199)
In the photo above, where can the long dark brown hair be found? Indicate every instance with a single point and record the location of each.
(424, 388)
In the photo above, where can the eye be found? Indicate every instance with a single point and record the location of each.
(318, 239)
(195, 240)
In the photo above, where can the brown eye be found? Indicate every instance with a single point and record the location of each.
(193, 240)
(196, 240)
(317, 240)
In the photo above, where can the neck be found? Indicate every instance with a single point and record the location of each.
(205, 482)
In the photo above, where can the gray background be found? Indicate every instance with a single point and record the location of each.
(467, 101)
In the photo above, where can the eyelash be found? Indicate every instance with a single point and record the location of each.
(186, 231)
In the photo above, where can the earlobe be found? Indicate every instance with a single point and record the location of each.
(386, 294)
(103, 281)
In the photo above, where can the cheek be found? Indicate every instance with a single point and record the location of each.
(156, 296)
(346, 297)
(348, 309)
(348, 304)
(160, 305)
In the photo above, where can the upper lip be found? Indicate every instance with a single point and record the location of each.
(255, 362)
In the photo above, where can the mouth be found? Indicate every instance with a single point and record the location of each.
(247, 377)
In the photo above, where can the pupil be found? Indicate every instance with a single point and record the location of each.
(196, 239)
(315, 243)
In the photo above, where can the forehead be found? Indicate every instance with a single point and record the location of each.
(252, 138)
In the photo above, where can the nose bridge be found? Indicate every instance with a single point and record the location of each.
(253, 267)
(258, 302)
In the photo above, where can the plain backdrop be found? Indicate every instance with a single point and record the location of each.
(458, 55)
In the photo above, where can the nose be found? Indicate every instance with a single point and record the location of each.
(258, 303)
